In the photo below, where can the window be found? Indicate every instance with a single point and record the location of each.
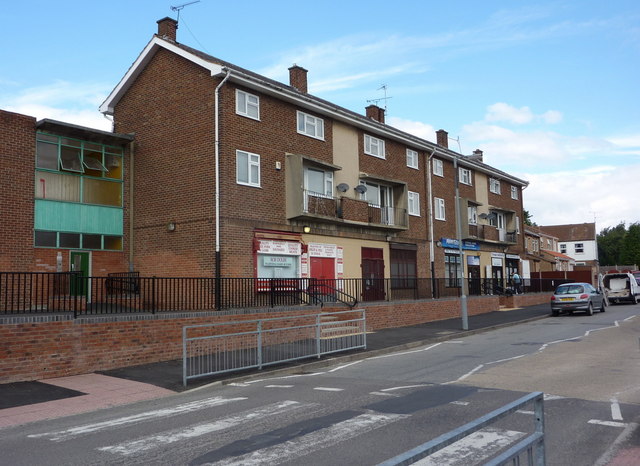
(517, 225)
(535, 245)
(494, 185)
(438, 207)
(514, 192)
(55, 239)
(247, 168)
(247, 105)
(310, 126)
(403, 269)
(374, 146)
(563, 248)
(465, 176)
(438, 167)
(412, 159)
(414, 204)
(473, 215)
(579, 248)
(72, 170)
(318, 182)
(451, 270)
(380, 196)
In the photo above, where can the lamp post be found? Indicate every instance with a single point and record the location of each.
(463, 291)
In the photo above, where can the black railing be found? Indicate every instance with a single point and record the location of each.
(33, 293)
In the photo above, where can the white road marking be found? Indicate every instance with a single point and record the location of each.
(405, 352)
(455, 341)
(459, 403)
(238, 384)
(472, 449)
(557, 341)
(523, 411)
(294, 376)
(383, 394)
(607, 423)
(323, 438)
(553, 397)
(507, 359)
(345, 365)
(328, 389)
(616, 414)
(278, 386)
(403, 387)
(471, 372)
(137, 418)
(148, 443)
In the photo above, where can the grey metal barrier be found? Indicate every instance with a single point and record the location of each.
(533, 444)
(210, 349)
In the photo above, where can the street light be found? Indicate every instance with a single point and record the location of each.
(463, 293)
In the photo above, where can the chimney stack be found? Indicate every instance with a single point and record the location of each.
(298, 78)
(376, 113)
(477, 155)
(442, 138)
(167, 28)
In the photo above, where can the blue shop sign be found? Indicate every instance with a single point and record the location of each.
(453, 244)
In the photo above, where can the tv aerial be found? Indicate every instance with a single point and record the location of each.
(385, 98)
(178, 8)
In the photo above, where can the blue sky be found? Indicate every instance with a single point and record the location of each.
(549, 90)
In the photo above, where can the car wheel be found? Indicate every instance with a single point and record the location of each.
(590, 309)
(603, 306)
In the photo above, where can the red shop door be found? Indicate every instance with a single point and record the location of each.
(323, 274)
(372, 274)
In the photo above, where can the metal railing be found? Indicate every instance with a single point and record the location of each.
(532, 445)
(31, 293)
(212, 349)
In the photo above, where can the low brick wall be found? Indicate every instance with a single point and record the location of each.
(522, 300)
(46, 346)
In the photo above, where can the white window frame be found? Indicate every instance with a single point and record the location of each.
(438, 167)
(248, 104)
(327, 182)
(439, 209)
(310, 126)
(514, 192)
(494, 186)
(472, 212)
(465, 176)
(414, 203)
(412, 159)
(563, 248)
(374, 146)
(252, 160)
(578, 248)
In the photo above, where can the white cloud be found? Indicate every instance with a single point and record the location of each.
(75, 103)
(551, 117)
(507, 113)
(417, 128)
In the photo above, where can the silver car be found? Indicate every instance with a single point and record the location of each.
(577, 297)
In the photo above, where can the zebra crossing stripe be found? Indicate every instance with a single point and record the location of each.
(136, 418)
(473, 449)
(148, 443)
(316, 440)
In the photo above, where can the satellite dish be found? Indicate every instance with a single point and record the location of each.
(342, 187)
(361, 189)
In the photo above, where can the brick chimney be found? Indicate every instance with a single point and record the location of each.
(298, 78)
(442, 138)
(477, 155)
(375, 112)
(167, 28)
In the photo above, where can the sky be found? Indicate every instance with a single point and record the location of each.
(549, 90)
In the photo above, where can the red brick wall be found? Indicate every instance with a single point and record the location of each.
(17, 165)
(40, 348)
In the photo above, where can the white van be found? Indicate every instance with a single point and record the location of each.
(619, 287)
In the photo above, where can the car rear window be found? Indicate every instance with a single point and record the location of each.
(570, 289)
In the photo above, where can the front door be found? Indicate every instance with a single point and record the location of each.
(323, 274)
(79, 261)
(473, 272)
(372, 274)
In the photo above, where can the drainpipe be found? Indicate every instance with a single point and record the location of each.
(431, 248)
(217, 187)
(131, 164)
(463, 294)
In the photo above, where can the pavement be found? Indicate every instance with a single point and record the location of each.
(24, 402)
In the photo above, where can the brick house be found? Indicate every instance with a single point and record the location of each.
(271, 181)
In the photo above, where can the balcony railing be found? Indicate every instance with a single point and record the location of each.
(391, 216)
(320, 204)
(492, 233)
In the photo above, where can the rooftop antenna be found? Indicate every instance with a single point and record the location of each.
(180, 7)
(458, 141)
(385, 98)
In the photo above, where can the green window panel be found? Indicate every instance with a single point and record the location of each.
(64, 216)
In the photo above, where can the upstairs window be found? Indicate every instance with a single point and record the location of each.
(579, 248)
(412, 159)
(374, 146)
(473, 215)
(438, 207)
(414, 203)
(494, 186)
(247, 105)
(465, 176)
(318, 182)
(514, 192)
(563, 248)
(438, 168)
(310, 126)
(247, 168)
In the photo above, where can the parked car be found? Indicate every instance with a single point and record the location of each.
(577, 297)
(621, 287)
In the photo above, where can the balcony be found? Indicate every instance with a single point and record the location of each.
(491, 234)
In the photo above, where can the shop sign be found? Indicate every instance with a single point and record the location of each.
(473, 260)
(496, 261)
(290, 248)
(277, 261)
(513, 256)
(453, 244)
(322, 250)
(498, 254)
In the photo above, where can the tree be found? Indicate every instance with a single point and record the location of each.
(631, 245)
(527, 219)
(610, 244)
